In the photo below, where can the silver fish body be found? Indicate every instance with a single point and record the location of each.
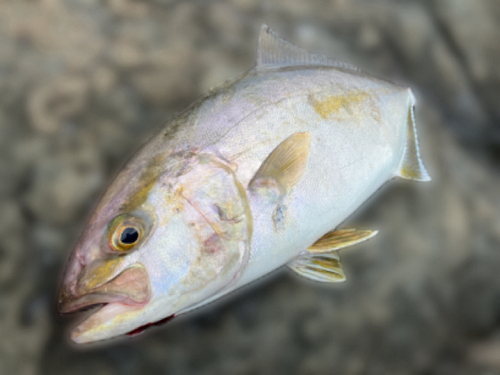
(256, 175)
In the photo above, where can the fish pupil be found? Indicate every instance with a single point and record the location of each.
(129, 236)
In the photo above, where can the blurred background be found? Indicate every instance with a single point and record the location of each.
(84, 82)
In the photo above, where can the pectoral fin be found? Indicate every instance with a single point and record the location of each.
(324, 267)
(284, 167)
(339, 239)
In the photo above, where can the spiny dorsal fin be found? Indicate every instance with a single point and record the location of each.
(275, 51)
(322, 267)
(411, 166)
(285, 166)
(339, 239)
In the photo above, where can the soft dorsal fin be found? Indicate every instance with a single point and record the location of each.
(325, 267)
(275, 51)
(411, 166)
(339, 239)
(284, 166)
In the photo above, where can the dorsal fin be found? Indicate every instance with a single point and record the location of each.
(411, 166)
(275, 51)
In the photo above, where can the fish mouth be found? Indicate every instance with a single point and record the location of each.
(130, 287)
(92, 300)
(126, 293)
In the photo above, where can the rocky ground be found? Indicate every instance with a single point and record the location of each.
(82, 82)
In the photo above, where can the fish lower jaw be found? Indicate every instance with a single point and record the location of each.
(112, 319)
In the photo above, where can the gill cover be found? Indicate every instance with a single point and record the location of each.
(215, 206)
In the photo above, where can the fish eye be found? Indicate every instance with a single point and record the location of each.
(129, 236)
(125, 232)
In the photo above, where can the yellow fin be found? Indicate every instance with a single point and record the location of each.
(285, 165)
(322, 267)
(411, 166)
(339, 239)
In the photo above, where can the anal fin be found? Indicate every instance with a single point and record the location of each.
(339, 239)
(322, 267)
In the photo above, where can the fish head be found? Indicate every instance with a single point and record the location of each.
(168, 234)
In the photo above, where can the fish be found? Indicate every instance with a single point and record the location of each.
(256, 175)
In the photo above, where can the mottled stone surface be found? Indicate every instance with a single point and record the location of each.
(82, 82)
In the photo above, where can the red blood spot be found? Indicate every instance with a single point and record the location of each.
(211, 244)
(141, 329)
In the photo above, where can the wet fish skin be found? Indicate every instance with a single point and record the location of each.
(244, 181)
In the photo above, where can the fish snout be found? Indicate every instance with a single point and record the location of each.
(102, 285)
